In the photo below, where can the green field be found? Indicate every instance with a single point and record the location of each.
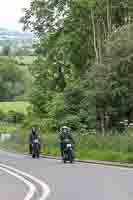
(17, 106)
(27, 60)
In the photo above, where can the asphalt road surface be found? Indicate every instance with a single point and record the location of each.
(23, 178)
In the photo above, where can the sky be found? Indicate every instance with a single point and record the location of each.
(10, 13)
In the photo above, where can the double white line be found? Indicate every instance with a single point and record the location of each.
(22, 177)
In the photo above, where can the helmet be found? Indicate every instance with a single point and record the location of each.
(33, 130)
(64, 129)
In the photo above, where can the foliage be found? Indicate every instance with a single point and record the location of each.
(14, 117)
(13, 112)
(81, 75)
(9, 128)
(6, 51)
(12, 80)
(113, 84)
(109, 148)
(2, 115)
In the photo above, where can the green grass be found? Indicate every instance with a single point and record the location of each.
(27, 60)
(18, 106)
(105, 148)
(80, 154)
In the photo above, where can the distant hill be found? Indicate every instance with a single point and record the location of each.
(6, 34)
(17, 41)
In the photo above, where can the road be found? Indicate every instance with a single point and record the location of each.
(53, 180)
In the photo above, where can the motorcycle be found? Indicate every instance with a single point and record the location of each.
(68, 154)
(35, 148)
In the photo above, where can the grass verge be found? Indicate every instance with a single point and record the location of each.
(97, 148)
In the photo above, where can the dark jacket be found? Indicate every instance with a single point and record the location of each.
(66, 136)
(32, 137)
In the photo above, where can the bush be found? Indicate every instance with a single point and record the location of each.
(73, 121)
(15, 117)
(19, 117)
(2, 115)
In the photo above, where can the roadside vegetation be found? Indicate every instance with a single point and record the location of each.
(107, 148)
(12, 116)
(81, 76)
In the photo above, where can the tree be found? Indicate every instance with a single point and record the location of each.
(6, 51)
(113, 80)
(76, 47)
(12, 80)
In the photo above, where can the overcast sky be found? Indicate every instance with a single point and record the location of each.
(10, 12)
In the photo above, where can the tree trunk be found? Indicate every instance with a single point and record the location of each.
(99, 41)
(103, 123)
(94, 34)
(109, 21)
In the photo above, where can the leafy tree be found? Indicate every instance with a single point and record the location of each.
(113, 80)
(12, 80)
(6, 51)
(82, 57)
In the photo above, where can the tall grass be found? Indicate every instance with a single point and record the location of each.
(109, 148)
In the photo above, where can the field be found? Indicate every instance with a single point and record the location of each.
(27, 60)
(17, 106)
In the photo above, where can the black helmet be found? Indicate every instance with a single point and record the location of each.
(34, 130)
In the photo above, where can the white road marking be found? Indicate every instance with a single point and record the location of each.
(44, 186)
(31, 187)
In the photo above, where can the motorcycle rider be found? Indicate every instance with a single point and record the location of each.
(34, 135)
(65, 134)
